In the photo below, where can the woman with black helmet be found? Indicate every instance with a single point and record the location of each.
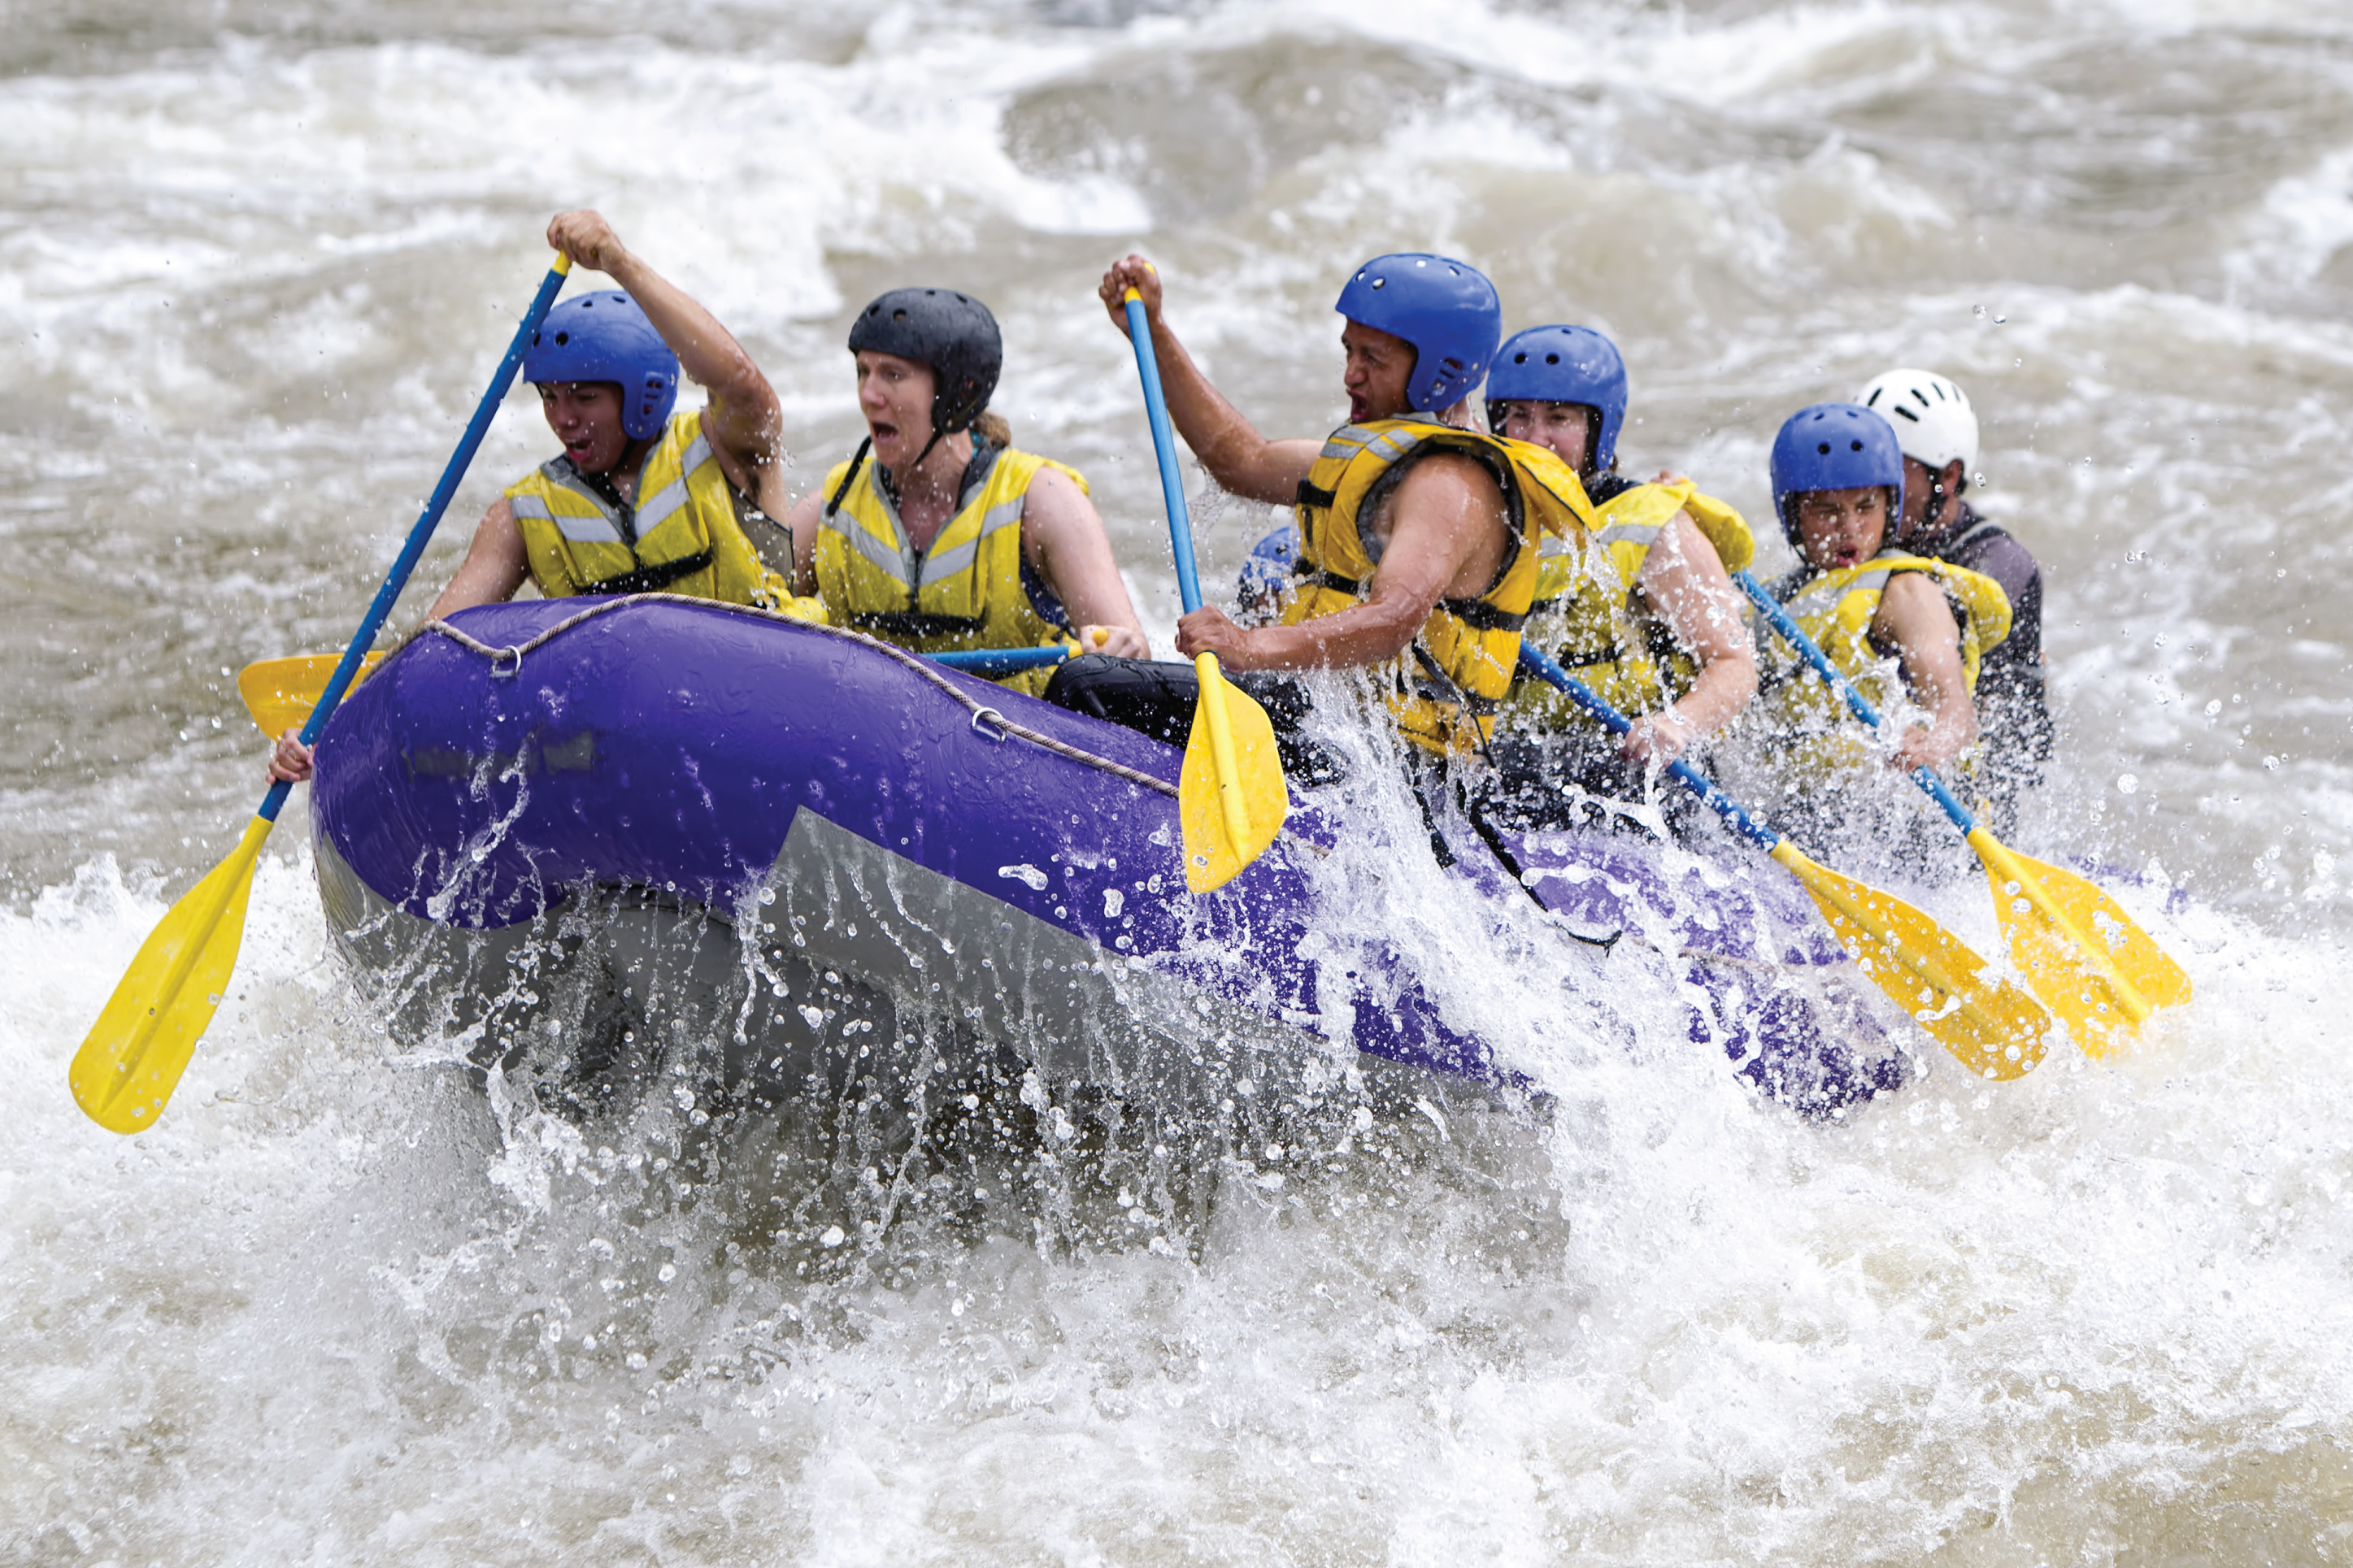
(641, 498)
(939, 534)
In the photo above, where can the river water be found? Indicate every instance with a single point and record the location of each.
(258, 259)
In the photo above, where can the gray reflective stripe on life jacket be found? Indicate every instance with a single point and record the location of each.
(1004, 514)
(667, 501)
(891, 559)
(596, 530)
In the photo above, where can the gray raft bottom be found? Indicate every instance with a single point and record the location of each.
(864, 972)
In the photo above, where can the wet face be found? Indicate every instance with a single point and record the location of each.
(1839, 528)
(1379, 366)
(587, 417)
(895, 395)
(1566, 428)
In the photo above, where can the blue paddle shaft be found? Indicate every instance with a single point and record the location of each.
(1795, 635)
(1542, 665)
(1163, 444)
(422, 534)
(1000, 660)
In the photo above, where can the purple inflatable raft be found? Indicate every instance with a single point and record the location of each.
(604, 832)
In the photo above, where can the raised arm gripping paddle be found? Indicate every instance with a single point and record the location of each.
(1231, 796)
(2088, 960)
(132, 1060)
(1993, 1027)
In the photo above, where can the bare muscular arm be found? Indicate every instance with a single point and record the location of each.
(744, 422)
(1239, 459)
(1684, 579)
(1062, 536)
(1448, 541)
(1916, 621)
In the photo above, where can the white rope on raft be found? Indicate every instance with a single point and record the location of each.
(507, 662)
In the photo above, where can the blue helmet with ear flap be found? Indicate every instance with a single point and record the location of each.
(1564, 364)
(604, 336)
(1835, 446)
(1446, 309)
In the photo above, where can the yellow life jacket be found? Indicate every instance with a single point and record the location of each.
(1836, 609)
(1444, 689)
(967, 590)
(1586, 615)
(681, 536)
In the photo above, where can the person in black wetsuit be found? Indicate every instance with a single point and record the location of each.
(1937, 431)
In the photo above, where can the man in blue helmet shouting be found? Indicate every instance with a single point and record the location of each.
(641, 498)
(1418, 533)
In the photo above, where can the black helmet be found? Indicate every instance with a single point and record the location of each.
(952, 332)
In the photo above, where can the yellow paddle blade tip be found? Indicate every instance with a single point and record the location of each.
(1229, 814)
(281, 693)
(133, 1059)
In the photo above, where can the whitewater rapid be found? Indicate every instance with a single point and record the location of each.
(340, 1307)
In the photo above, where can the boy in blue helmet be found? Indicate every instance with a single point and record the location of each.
(1418, 532)
(641, 499)
(1645, 611)
(1838, 486)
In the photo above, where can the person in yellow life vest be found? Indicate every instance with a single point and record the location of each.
(1643, 610)
(939, 534)
(641, 498)
(1837, 485)
(1418, 532)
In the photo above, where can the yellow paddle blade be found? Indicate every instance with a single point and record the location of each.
(1230, 797)
(1994, 1028)
(133, 1058)
(281, 693)
(2086, 958)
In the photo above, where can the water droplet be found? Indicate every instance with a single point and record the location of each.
(2127, 783)
(666, 1273)
(832, 1236)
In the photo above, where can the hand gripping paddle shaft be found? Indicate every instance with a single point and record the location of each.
(2088, 960)
(1993, 1026)
(140, 1044)
(1231, 796)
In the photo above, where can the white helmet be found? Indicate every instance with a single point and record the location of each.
(1933, 419)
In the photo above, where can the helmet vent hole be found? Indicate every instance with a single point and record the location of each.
(897, 315)
(1380, 282)
(1452, 364)
(1552, 359)
(1824, 450)
(562, 338)
(1854, 446)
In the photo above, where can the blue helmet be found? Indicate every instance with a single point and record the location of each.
(604, 336)
(1835, 446)
(1564, 364)
(1446, 309)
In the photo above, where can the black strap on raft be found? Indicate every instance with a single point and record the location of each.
(650, 579)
